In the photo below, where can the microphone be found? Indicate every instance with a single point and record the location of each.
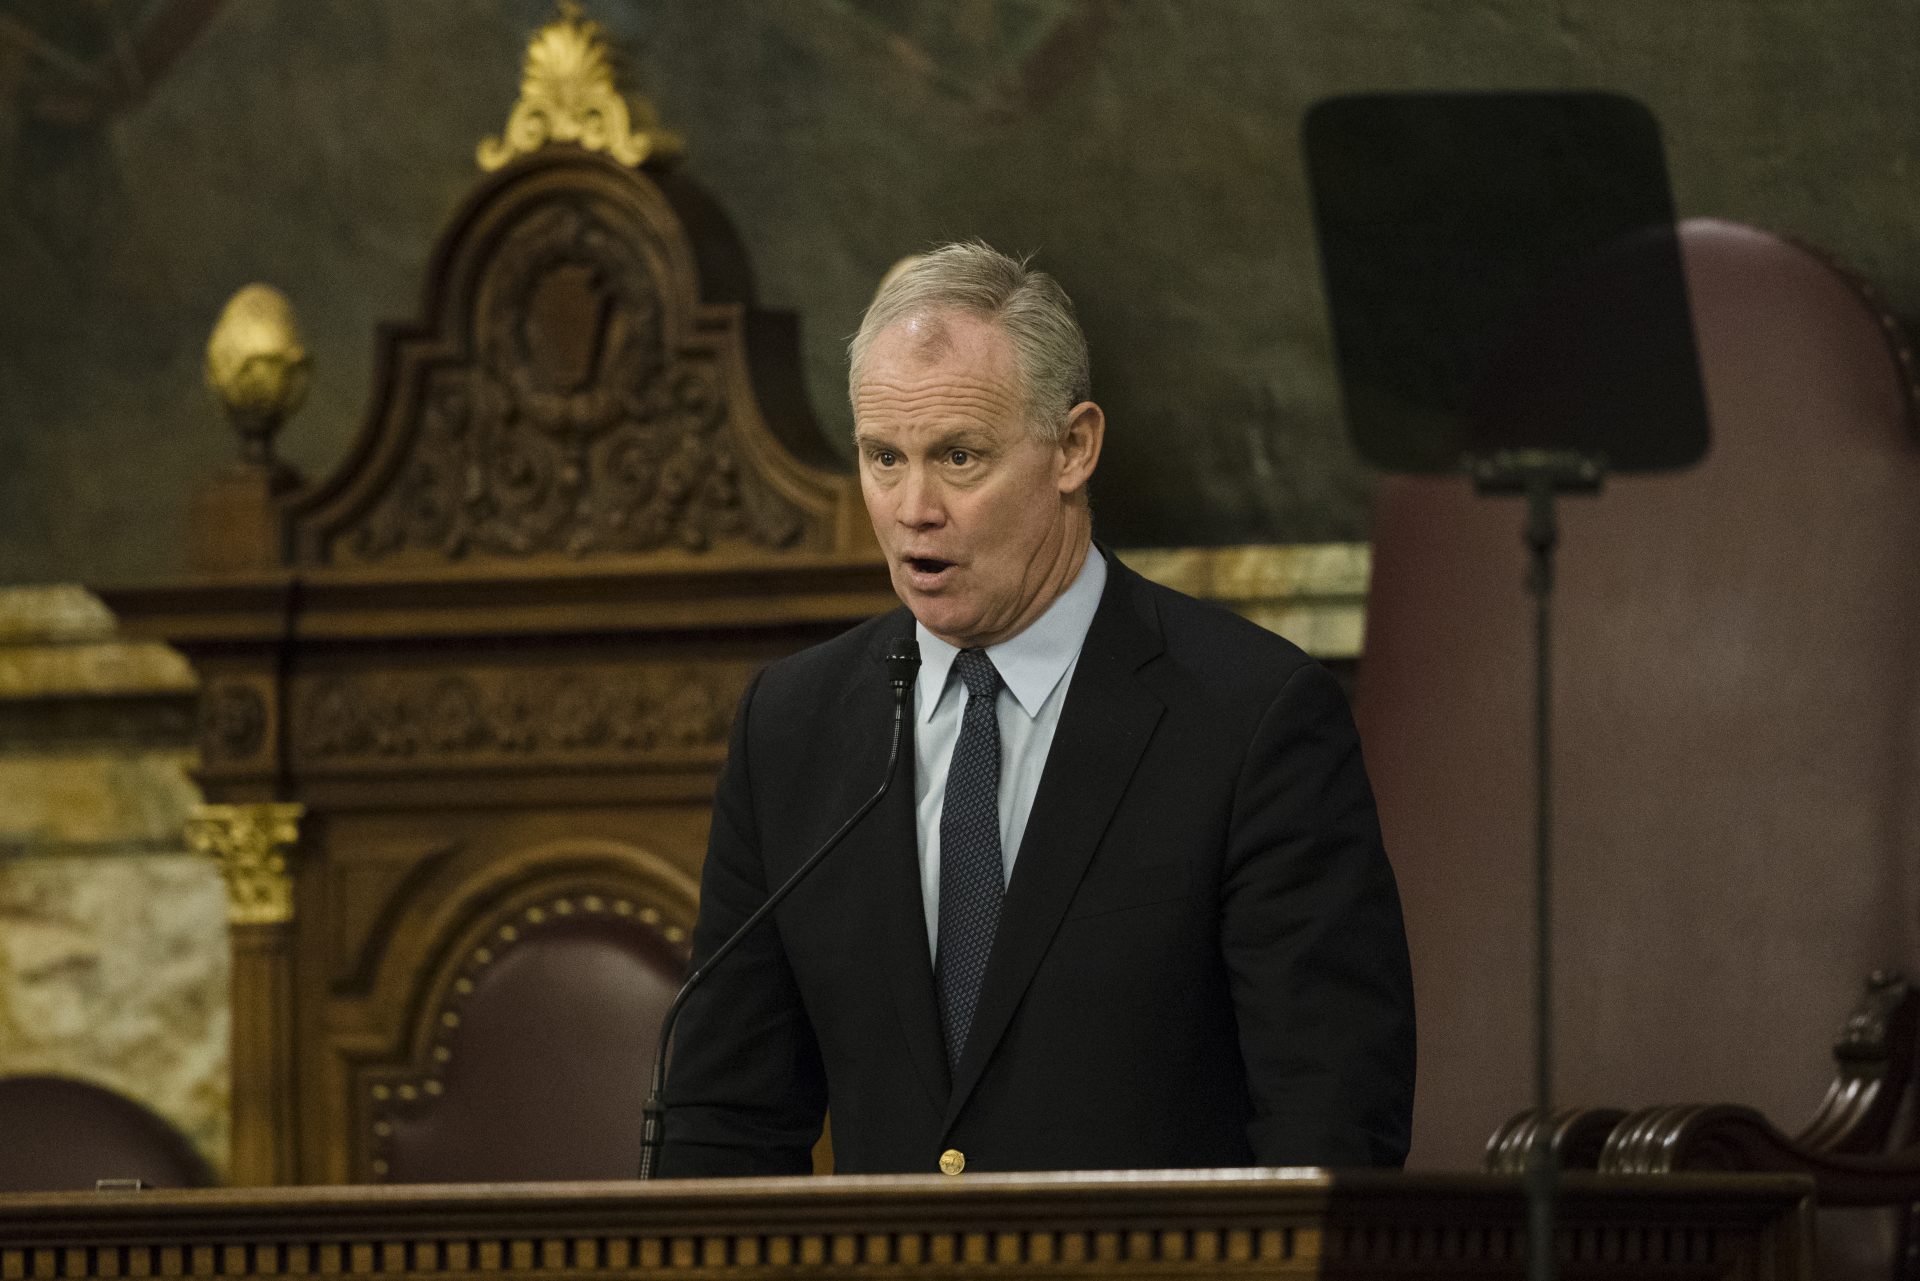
(903, 664)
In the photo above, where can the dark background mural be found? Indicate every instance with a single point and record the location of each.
(157, 154)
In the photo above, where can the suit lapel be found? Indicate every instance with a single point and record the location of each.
(1104, 727)
(889, 845)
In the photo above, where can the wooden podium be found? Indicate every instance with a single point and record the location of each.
(1196, 1223)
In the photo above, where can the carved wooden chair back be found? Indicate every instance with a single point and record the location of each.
(1869, 1109)
(586, 505)
(532, 1034)
(495, 652)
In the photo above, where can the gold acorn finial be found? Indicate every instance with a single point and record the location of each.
(568, 94)
(257, 367)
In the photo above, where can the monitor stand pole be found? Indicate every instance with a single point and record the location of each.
(1541, 476)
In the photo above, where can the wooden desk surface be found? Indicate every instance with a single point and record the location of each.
(1190, 1223)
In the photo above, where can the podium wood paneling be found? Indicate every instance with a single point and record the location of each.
(1202, 1223)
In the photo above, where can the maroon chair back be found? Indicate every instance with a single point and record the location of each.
(541, 1050)
(1737, 731)
(62, 1135)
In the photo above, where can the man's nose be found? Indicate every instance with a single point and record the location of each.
(920, 501)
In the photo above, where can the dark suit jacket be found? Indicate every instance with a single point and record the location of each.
(1200, 958)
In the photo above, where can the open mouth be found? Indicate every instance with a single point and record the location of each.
(927, 571)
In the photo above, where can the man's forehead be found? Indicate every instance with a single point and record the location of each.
(927, 336)
(939, 377)
(935, 337)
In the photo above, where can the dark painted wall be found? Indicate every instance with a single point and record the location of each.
(1146, 148)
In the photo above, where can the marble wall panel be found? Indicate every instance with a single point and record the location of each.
(113, 939)
(113, 969)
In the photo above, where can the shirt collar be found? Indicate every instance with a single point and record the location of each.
(1032, 662)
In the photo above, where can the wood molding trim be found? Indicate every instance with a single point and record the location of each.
(1280, 1223)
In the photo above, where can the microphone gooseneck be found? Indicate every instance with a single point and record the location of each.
(903, 665)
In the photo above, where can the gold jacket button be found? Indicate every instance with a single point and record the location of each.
(952, 1161)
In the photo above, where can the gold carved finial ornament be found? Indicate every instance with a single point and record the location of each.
(568, 94)
(257, 367)
(253, 845)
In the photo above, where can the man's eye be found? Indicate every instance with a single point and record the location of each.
(885, 457)
(960, 458)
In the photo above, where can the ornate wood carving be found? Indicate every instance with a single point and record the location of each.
(570, 394)
(1875, 1055)
(541, 714)
(514, 622)
(233, 720)
(1851, 1148)
(576, 429)
(1574, 1137)
(1844, 1146)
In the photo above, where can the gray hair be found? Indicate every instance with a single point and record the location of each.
(1028, 306)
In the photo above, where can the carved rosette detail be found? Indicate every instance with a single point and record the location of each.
(253, 845)
(233, 721)
(575, 430)
(515, 714)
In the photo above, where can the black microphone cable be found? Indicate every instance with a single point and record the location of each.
(903, 664)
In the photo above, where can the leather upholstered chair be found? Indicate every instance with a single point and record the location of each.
(533, 1042)
(58, 1134)
(1737, 729)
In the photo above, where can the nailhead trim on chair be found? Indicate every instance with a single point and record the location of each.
(395, 1092)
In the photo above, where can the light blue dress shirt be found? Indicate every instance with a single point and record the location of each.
(1035, 667)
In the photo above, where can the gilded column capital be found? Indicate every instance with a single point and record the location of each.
(253, 845)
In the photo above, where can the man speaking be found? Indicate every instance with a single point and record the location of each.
(1133, 910)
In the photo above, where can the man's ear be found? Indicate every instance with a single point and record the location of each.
(1080, 446)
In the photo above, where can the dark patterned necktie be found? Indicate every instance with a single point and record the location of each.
(970, 873)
